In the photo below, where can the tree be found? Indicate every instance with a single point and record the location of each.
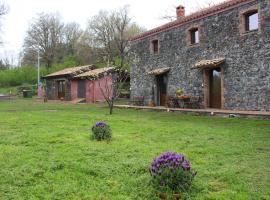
(85, 50)
(111, 32)
(71, 36)
(45, 35)
(101, 29)
(3, 11)
(8, 60)
(111, 93)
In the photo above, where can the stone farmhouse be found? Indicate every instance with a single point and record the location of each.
(220, 54)
(79, 84)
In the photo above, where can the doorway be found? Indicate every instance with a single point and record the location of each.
(215, 88)
(61, 89)
(81, 89)
(162, 81)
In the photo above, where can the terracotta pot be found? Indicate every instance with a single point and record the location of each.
(162, 195)
(177, 196)
(152, 104)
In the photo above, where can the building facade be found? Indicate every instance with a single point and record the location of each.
(84, 84)
(93, 86)
(220, 54)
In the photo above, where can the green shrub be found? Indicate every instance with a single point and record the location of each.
(28, 74)
(101, 131)
(173, 171)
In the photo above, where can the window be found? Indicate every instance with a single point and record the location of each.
(252, 21)
(155, 46)
(194, 36)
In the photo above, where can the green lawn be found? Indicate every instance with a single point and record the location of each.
(46, 153)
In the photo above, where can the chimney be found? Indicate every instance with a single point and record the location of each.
(180, 12)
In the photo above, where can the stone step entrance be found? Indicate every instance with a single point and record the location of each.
(79, 100)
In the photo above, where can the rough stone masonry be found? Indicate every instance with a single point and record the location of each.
(246, 70)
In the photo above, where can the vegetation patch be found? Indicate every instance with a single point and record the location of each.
(55, 159)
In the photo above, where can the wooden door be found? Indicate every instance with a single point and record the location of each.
(61, 89)
(162, 90)
(81, 89)
(215, 88)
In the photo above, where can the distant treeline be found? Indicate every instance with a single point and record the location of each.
(28, 75)
(61, 45)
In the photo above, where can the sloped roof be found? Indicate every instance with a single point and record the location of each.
(208, 63)
(159, 71)
(95, 73)
(71, 71)
(226, 5)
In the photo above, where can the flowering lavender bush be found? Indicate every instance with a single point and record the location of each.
(172, 170)
(101, 131)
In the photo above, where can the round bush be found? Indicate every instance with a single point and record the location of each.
(173, 171)
(101, 131)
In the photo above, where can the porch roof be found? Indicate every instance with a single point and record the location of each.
(71, 71)
(209, 63)
(95, 73)
(159, 71)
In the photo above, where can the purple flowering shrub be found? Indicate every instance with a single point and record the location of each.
(173, 171)
(101, 131)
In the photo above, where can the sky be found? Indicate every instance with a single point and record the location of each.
(146, 13)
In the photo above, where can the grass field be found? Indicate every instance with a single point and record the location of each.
(46, 153)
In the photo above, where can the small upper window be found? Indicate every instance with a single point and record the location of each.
(155, 47)
(252, 21)
(194, 36)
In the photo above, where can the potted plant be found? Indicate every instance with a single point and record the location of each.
(184, 97)
(179, 93)
(171, 171)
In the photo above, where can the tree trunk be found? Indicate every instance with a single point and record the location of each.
(111, 106)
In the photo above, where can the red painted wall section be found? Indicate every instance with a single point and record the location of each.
(93, 92)
(89, 91)
(74, 88)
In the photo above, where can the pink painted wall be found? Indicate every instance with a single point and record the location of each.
(74, 88)
(93, 92)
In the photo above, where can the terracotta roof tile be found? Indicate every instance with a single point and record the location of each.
(71, 71)
(208, 63)
(95, 73)
(159, 71)
(226, 5)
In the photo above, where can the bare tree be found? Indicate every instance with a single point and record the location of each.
(45, 35)
(71, 36)
(3, 11)
(101, 29)
(86, 51)
(111, 32)
(204, 5)
(169, 14)
(8, 60)
(112, 92)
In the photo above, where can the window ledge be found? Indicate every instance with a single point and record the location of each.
(194, 45)
(256, 31)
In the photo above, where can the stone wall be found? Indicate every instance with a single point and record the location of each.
(247, 66)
